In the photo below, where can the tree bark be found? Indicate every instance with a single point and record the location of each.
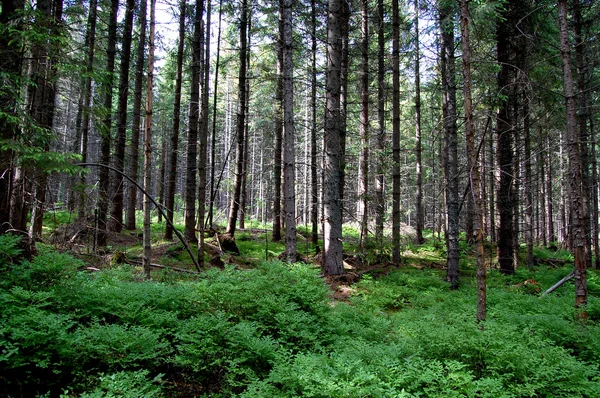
(363, 190)
(314, 203)
(395, 133)
(105, 125)
(173, 157)
(278, 122)
(418, 146)
(451, 142)
(332, 210)
(116, 215)
(148, 143)
(575, 173)
(289, 156)
(379, 173)
(135, 122)
(240, 122)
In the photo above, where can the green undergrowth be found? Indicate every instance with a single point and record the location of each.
(274, 331)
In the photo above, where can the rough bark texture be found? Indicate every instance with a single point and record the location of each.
(395, 133)
(575, 172)
(379, 173)
(194, 116)
(116, 214)
(363, 175)
(240, 122)
(451, 143)
(505, 131)
(289, 161)
(332, 210)
(278, 122)
(314, 201)
(148, 144)
(418, 149)
(105, 125)
(173, 157)
(472, 153)
(134, 147)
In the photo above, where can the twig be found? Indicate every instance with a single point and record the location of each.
(559, 283)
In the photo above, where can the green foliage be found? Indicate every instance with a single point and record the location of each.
(9, 249)
(273, 331)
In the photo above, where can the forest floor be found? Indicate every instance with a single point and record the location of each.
(82, 322)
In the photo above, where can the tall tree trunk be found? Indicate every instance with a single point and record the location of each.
(116, 215)
(213, 151)
(363, 190)
(203, 141)
(42, 94)
(148, 143)
(345, 19)
(314, 209)
(451, 142)
(395, 132)
(418, 150)
(549, 206)
(379, 178)
(505, 130)
(575, 172)
(172, 174)
(11, 59)
(289, 155)
(194, 114)
(278, 123)
(90, 44)
(240, 122)
(132, 193)
(472, 153)
(105, 125)
(332, 210)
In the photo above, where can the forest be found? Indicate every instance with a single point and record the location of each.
(324, 198)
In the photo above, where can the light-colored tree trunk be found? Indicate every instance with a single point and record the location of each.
(418, 146)
(314, 207)
(395, 133)
(332, 209)
(379, 173)
(363, 175)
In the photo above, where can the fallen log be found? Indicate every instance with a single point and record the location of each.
(139, 263)
(559, 283)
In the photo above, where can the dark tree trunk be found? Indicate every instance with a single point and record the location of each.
(289, 156)
(395, 133)
(278, 122)
(132, 193)
(314, 203)
(505, 130)
(379, 178)
(173, 158)
(363, 192)
(194, 115)
(451, 142)
(240, 122)
(105, 125)
(418, 149)
(90, 42)
(116, 215)
(576, 180)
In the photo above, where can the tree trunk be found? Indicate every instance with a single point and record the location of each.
(505, 130)
(289, 156)
(451, 142)
(278, 122)
(379, 179)
(240, 122)
(172, 174)
(314, 202)
(148, 144)
(363, 190)
(194, 113)
(332, 210)
(575, 173)
(472, 153)
(90, 42)
(135, 122)
(418, 150)
(105, 125)
(116, 215)
(395, 133)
